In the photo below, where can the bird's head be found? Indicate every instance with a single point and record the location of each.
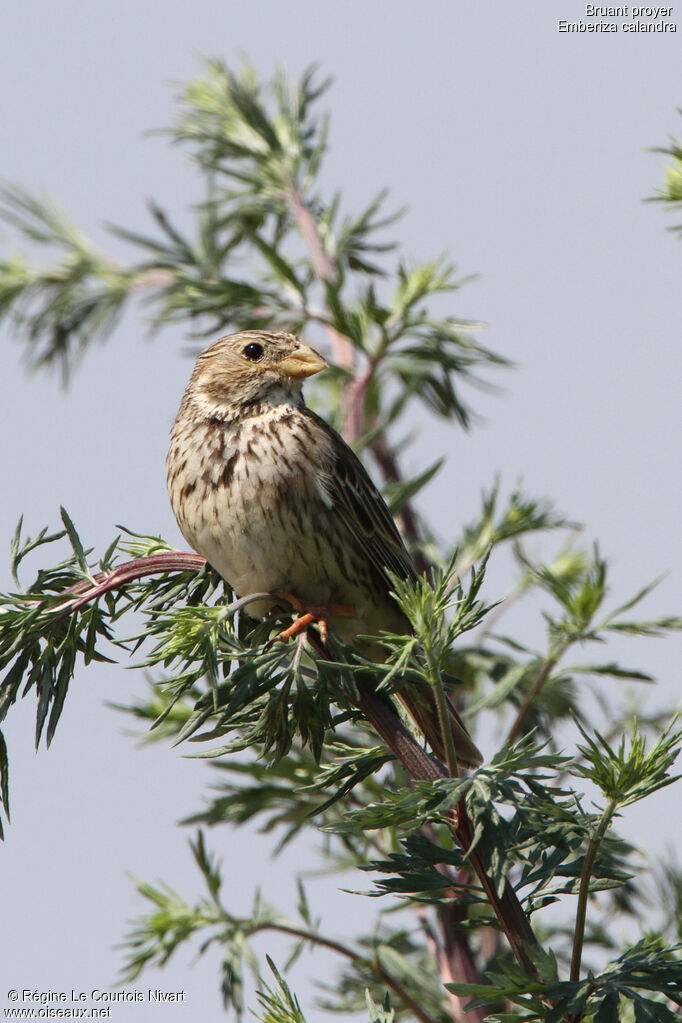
(252, 367)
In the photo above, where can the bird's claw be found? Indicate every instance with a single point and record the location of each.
(298, 626)
(317, 614)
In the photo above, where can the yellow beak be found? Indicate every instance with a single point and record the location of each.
(303, 362)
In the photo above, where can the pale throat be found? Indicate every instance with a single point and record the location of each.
(277, 398)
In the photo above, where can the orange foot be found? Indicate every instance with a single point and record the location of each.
(315, 614)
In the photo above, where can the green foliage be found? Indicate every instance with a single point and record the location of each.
(43, 629)
(279, 1005)
(626, 776)
(61, 309)
(40, 644)
(284, 728)
(316, 765)
(671, 192)
(643, 969)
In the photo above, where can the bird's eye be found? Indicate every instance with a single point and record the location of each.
(253, 351)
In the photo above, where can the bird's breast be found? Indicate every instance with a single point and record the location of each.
(244, 495)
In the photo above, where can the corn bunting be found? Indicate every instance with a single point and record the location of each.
(278, 503)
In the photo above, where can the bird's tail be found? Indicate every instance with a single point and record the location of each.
(420, 704)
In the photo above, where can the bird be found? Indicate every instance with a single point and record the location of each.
(280, 506)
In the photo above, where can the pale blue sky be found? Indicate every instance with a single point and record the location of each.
(522, 153)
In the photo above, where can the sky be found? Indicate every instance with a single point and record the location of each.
(522, 152)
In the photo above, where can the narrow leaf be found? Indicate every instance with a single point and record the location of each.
(75, 541)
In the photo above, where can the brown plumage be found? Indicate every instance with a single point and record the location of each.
(276, 501)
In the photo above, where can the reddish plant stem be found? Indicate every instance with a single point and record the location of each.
(457, 965)
(344, 950)
(452, 950)
(323, 268)
(103, 582)
(534, 691)
(516, 926)
(453, 955)
(354, 416)
(354, 422)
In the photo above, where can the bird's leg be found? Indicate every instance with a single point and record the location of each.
(315, 614)
(297, 626)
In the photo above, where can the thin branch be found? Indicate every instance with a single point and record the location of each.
(452, 952)
(323, 268)
(515, 924)
(154, 277)
(583, 894)
(104, 582)
(445, 726)
(532, 693)
(354, 420)
(456, 960)
(344, 950)
(453, 955)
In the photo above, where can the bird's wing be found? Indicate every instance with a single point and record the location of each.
(349, 489)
